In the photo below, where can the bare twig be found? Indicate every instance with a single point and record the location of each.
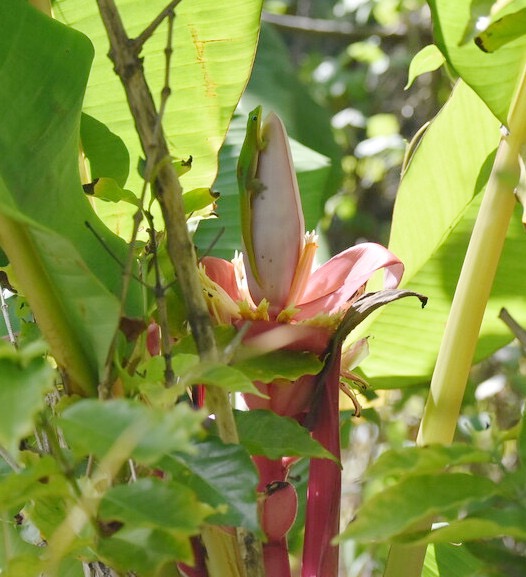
(152, 27)
(105, 385)
(514, 326)
(105, 246)
(168, 51)
(160, 290)
(167, 187)
(9, 459)
(58, 452)
(212, 243)
(162, 311)
(334, 28)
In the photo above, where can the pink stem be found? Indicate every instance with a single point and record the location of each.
(199, 568)
(269, 470)
(320, 558)
(276, 558)
(275, 553)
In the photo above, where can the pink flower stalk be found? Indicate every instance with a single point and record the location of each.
(322, 519)
(297, 308)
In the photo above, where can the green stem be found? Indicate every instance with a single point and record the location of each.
(469, 303)
(46, 303)
(58, 452)
(9, 459)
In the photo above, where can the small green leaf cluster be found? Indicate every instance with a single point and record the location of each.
(409, 486)
(123, 482)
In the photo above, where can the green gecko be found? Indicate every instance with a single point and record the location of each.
(248, 184)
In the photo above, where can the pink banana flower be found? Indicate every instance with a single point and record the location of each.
(294, 306)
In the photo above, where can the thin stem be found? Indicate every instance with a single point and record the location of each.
(5, 313)
(514, 326)
(167, 186)
(112, 254)
(127, 275)
(160, 291)
(473, 289)
(147, 33)
(162, 310)
(133, 471)
(168, 51)
(332, 28)
(56, 450)
(9, 459)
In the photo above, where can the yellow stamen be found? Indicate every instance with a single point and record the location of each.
(287, 314)
(324, 320)
(303, 270)
(260, 313)
(220, 304)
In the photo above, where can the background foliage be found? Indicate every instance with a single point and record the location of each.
(335, 72)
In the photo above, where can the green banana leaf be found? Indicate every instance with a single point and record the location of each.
(274, 84)
(214, 43)
(493, 76)
(67, 274)
(435, 210)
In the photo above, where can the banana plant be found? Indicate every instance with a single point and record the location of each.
(274, 294)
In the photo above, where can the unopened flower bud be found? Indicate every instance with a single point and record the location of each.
(279, 509)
